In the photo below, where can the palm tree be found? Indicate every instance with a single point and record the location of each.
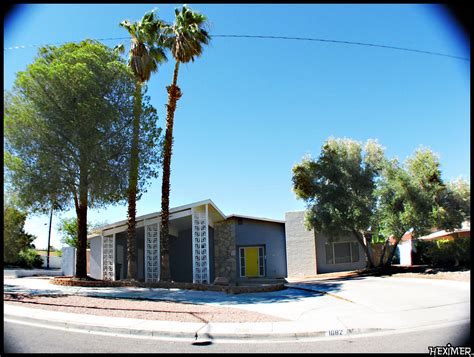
(185, 38)
(144, 57)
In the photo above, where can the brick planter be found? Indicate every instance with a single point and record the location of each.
(70, 281)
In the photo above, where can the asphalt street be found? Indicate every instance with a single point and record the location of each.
(20, 338)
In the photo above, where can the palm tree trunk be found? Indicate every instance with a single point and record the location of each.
(132, 185)
(174, 93)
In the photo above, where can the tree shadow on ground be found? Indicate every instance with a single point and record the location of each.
(184, 296)
(212, 297)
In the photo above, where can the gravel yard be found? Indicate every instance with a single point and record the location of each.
(138, 309)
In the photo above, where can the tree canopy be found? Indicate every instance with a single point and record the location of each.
(338, 187)
(68, 131)
(15, 239)
(354, 189)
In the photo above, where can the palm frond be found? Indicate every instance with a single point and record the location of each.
(147, 48)
(187, 35)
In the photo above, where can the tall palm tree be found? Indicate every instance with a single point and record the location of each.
(144, 57)
(185, 38)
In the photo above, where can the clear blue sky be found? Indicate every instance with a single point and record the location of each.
(252, 108)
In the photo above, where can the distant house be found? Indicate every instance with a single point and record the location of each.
(406, 246)
(205, 244)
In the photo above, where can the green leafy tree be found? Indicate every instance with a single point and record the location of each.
(185, 38)
(144, 59)
(339, 187)
(15, 239)
(413, 197)
(68, 228)
(68, 124)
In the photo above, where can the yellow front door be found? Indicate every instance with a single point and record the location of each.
(251, 262)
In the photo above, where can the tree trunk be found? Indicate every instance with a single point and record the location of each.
(381, 263)
(132, 186)
(392, 253)
(174, 93)
(81, 211)
(360, 239)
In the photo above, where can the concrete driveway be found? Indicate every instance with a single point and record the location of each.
(339, 304)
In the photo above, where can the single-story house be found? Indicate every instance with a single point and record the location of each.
(406, 246)
(205, 244)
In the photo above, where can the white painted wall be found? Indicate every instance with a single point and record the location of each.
(68, 261)
(54, 261)
(404, 249)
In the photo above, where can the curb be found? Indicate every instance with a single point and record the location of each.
(189, 332)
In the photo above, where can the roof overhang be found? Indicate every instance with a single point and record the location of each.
(173, 211)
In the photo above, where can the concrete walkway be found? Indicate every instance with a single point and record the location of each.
(314, 309)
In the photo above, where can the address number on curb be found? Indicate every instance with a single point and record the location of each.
(337, 332)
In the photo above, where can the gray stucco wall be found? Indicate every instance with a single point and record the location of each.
(321, 239)
(121, 255)
(181, 258)
(300, 246)
(261, 233)
(306, 253)
(95, 263)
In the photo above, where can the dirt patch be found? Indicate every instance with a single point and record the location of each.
(138, 309)
(445, 275)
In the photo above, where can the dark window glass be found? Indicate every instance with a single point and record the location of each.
(355, 251)
(329, 257)
(342, 251)
(242, 262)
(261, 261)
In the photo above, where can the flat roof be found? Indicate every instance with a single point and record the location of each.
(256, 218)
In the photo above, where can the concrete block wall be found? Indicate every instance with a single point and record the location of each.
(300, 246)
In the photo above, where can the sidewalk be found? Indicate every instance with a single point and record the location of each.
(321, 309)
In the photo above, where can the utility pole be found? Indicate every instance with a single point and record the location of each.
(49, 236)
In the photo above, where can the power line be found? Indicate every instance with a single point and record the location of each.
(278, 38)
(345, 42)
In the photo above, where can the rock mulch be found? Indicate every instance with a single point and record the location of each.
(257, 288)
(138, 309)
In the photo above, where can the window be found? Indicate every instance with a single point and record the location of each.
(242, 262)
(261, 264)
(329, 253)
(342, 252)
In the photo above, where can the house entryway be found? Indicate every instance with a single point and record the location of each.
(252, 262)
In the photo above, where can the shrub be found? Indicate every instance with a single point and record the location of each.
(444, 252)
(29, 259)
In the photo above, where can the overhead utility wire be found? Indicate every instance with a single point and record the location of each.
(344, 42)
(282, 38)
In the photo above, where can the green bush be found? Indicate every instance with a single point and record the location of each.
(29, 259)
(444, 252)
